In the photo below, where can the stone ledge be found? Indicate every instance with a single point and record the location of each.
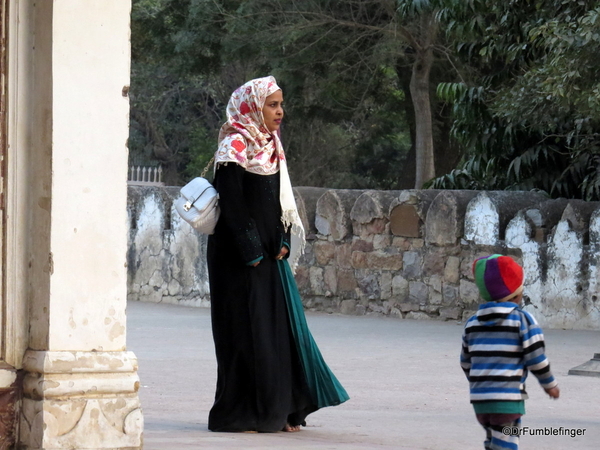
(79, 362)
(588, 369)
(38, 387)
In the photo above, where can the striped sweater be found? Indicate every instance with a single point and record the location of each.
(501, 343)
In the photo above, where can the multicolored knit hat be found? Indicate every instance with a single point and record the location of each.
(499, 278)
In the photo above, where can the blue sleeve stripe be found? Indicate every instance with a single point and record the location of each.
(532, 332)
(488, 390)
(482, 366)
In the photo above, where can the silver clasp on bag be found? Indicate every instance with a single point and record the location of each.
(187, 206)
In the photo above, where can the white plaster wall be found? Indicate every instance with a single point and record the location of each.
(89, 164)
(567, 301)
(482, 221)
(167, 263)
(518, 234)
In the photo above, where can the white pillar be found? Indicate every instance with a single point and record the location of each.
(80, 389)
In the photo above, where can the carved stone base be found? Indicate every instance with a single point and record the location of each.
(82, 400)
(588, 369)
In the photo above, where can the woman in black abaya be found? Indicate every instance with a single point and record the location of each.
(271, 374)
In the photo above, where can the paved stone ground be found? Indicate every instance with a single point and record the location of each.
(407, 390)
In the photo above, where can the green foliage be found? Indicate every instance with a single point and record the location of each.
(342, 71)
(528, 111)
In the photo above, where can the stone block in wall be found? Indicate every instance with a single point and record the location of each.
(408, 306)
(333, 213)
(380, 260)
(359, 260)
(418, 292)
(417, 243)
(434, 261)
(302, 277)
(453, 313)
(450, 294)
(435, 289)
(444, 223)
(412, 265)
(368, 284)
(362, 245)
(382, 241)
(452, 269)
(431, 310)
(306, 201)
(376, 308)
(408, 211)
(400, 287)
(370, 212)
(316, 280)
(386, 285)
(346, 282)
(377, 260)
(401, 243)
(417, 315)
(308, 257)
(348, 307)
(324, 252)
(343, 256)
(578, 214)
(330, 280)
(405, 221)
(469, 293)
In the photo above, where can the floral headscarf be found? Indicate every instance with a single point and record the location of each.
(245, 140)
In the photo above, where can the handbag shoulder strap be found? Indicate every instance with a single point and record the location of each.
(203, 174)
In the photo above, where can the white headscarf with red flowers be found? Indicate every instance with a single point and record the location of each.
(245, 140)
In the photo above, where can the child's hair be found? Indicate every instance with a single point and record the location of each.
(499, 278)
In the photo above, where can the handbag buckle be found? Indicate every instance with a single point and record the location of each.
(187, 206)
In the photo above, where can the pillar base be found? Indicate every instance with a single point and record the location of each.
(82, 400)
(588, 369)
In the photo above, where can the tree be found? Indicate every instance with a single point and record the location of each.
(374, 34)
(527, 112)
(357, 78)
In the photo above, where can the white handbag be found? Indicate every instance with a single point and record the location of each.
(198, 204)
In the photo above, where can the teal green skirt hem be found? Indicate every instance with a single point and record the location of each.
(325, 389)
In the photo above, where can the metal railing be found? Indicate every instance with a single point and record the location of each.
(145, 176)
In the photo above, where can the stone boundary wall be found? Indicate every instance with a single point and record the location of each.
(166, 258)
(406, 254)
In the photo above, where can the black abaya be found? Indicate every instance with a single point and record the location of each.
(261, 385)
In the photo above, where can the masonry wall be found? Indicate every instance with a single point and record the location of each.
(406, 254)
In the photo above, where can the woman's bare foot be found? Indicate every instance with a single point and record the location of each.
(291, 429)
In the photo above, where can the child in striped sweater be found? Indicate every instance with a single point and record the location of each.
(500, 344)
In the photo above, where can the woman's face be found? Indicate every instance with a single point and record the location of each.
(273, 111)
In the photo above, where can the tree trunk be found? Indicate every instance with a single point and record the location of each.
(419, 90)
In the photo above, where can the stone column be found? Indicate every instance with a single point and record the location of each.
(80, 387)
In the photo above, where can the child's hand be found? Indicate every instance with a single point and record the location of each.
(553, 392)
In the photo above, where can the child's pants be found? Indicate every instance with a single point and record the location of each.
(502, 430)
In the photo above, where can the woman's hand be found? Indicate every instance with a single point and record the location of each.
(284, 251)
